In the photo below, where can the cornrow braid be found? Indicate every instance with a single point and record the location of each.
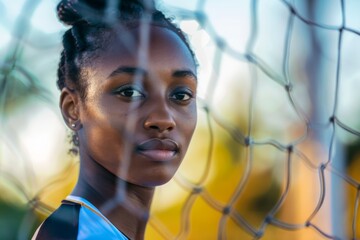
(67, 12)
(61, 72)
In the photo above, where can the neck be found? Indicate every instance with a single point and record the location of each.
(126, 205)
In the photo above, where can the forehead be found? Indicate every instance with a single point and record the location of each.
(153, 48)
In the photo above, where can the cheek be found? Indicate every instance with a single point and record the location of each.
(188, 123)
(193, 117)
(101, 140)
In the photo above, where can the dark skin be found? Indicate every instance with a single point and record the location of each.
(134, 126)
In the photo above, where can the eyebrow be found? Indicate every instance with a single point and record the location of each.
(137, 70)
(185, 73)
(128, 70)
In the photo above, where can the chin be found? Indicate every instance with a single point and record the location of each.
(156, 183)
(158, 180)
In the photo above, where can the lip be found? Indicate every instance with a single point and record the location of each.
(157, 149)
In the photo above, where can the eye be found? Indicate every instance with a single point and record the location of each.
(182, 95)
(130, 92)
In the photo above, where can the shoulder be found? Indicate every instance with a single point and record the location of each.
(61, 224)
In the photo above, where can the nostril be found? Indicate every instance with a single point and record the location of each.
(169, 128)
(161, 128)
(158, 125)
(160, 121)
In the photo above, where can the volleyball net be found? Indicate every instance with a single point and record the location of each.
(276, 151)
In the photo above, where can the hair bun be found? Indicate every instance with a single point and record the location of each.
(71, 12)
(68, 13)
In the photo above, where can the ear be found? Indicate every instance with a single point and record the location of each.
(69, 106)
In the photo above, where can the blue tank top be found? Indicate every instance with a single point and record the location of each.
(77, 218)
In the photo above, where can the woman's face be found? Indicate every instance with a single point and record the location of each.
(139, 115)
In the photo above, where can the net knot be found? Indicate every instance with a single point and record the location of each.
(247, 141)
(259, 234)
(200, 17)
(268, 219)
(206, 108)
(197, 190)
(226, 210)
(288, 87)
(332, 119)
(322, 167)
(290, 148)
(220, 43)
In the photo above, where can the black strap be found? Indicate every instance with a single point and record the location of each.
(61, 224)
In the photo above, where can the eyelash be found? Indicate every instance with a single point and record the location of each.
(185, 94)
(122, 92)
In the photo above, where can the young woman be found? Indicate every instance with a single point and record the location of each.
(128, 86)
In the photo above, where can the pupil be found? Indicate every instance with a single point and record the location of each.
(181, 96)
(128, 93)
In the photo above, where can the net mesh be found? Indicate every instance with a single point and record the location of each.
(275, 154)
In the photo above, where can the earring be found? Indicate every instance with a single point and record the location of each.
(73, 125)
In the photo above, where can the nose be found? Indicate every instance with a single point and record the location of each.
(160, 119)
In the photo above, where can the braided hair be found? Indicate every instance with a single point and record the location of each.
(90, 32)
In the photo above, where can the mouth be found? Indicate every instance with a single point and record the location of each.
(156, 149)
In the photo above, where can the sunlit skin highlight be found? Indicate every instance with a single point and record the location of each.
(135, 124)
